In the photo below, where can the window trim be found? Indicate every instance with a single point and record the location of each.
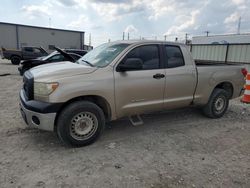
(164, 52)
(161, 63)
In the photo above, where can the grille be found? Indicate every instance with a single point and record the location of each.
(28, 85)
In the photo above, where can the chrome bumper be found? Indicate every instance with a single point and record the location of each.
(38, 120)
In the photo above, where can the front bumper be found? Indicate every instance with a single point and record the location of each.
(38, 120)
(37, 114)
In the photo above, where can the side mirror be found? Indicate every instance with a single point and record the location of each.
(130, 64)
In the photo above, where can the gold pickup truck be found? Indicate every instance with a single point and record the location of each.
(123, 79)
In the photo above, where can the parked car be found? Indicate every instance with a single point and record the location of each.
(124, 79)
(76, 51)
(24, 54)
(56, 56)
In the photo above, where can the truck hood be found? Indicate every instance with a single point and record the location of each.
(52, 71)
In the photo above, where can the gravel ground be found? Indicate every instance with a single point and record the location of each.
(178, 148)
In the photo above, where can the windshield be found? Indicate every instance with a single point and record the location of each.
(103, 55)
(44, 58)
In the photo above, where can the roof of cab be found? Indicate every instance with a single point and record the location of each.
(147, 42)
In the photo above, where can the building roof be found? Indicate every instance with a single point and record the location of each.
(39, 27)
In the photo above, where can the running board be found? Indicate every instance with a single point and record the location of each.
(136, 120)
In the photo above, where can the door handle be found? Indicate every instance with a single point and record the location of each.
(158, 76)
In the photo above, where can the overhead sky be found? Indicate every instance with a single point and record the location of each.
(149, 19)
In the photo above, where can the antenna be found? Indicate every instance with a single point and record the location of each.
(239, 25)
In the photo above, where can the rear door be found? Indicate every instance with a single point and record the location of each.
(180, 78)
(139, 91)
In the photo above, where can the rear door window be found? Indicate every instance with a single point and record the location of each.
(28, 49)
(174, 57)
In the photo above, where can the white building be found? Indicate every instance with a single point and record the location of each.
(222, 39)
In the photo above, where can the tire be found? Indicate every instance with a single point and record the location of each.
(15, 60)
(217, 104)
(80, 123)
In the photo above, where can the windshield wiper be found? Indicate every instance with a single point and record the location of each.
(90, 64)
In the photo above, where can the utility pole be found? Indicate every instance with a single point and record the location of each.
(123, 35)
(165, 37)
(239, 24)
(49, 22)
(186, 38)
(90, 39)
(128, 35)
(207, 32)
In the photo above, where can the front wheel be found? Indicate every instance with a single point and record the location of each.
(80, 123)
(217, 104)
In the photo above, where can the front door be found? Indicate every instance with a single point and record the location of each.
(139, 91)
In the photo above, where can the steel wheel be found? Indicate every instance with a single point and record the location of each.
(219, 104)
(83, 125)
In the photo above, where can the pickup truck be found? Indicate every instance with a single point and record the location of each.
(24, 54)
(123, 79)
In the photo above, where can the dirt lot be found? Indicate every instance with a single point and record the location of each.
(172, 149)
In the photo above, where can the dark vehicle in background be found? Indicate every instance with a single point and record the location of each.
(25, 53)
(76, 51)
(56, 56)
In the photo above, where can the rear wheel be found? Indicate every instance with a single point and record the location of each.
(80, 123)
(15, 60)
(217, 104)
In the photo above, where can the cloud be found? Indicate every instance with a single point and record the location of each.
(232, 18)
(112, 1)
(131, 29)
(68, 3)
(81, 23)
(185, 22)
(115, 10)
(35, 11)
(239, 2)
(159, 8)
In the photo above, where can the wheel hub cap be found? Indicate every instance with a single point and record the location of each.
(83, 125)
(219, 104)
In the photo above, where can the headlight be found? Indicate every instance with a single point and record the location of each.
(44, 89)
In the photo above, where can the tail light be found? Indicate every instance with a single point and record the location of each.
(244, 72)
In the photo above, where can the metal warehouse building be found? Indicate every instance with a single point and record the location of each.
(15, 36)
